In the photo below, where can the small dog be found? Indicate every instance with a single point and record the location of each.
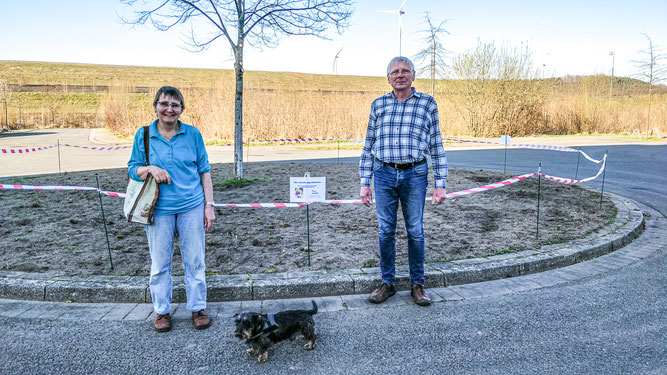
(261, 330)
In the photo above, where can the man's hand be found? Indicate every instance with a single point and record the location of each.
(366, 195)
(439, 196)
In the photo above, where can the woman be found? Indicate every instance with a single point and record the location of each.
(179, 163)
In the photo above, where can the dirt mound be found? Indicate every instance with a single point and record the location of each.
(61, 232)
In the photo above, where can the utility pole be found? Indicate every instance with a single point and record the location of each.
(4, 100)
(3, 91)
(20, 125)
(611, 79)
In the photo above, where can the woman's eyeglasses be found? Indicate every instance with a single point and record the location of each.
(170, 105)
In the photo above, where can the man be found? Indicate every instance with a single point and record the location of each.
(403, 129)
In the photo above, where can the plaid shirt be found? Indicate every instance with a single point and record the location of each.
(403, 132)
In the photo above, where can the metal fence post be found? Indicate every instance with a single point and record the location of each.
(104, 220)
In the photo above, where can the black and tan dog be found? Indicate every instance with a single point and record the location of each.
(261, 330)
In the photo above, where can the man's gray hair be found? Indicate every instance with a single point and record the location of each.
(397, 59)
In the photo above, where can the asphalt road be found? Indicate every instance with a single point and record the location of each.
(614, 323)
(636, 172)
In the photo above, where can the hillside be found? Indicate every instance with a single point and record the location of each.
(291, 105)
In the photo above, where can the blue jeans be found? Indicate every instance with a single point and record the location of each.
(408, 187)
(190, 227)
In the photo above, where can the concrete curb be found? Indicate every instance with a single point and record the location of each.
(627, 226)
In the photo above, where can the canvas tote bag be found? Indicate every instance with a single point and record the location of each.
(141, 196)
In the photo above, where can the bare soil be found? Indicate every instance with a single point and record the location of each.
(61, 233)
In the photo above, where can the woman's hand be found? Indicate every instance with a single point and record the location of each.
(209, 213)
(209, 217)
(160, 175)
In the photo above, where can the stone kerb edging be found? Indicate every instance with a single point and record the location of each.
(627, 226)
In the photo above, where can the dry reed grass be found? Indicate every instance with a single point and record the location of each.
(278, 113)
(292, 105)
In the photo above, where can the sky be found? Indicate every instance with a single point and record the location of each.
(566, 37)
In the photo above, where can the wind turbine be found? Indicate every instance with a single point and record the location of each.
(400, 13)
(335, 64)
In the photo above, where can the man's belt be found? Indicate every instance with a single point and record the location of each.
(401, 166)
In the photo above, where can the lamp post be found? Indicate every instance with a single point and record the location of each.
(611, 79)
(20, 124)
(4, 101)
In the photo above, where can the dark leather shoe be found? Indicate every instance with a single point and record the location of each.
(162, 322)
(419, 294)
(200, 319)
(381, 294)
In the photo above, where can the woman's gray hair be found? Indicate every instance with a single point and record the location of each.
(397, 59)
(169, 91)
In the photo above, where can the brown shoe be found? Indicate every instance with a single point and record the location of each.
(419, 294)
(162, 322)
(200, 319)
(381, 294)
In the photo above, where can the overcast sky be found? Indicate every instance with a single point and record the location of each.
(566, 37)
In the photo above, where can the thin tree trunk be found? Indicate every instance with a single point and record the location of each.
(238, 99)
(238, 116)
(433, 55)
(648, 116)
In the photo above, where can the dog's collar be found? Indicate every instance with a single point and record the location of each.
(269, 325)
(271, 322)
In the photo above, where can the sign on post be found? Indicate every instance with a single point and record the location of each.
(307, 189)
(507, 141)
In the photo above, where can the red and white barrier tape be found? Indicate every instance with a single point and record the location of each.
(357, 201)
(24, 150)
(49, 187)
(111, 148)
(261, 205)
(541, 147)
(60, 188)
(536, 147)
(112, 194)
(300, 204)
(573, 181)
(456, 194)
(496, 185)
(287, 140)
(293, 140)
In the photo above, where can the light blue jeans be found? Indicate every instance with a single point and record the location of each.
(408, 186)
(191, 230)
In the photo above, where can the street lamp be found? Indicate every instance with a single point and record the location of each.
(611, 79)
(20, 124)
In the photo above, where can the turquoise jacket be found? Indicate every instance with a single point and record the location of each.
(184, 157)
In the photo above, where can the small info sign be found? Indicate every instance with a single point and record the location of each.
(307, 189)
(506, 140)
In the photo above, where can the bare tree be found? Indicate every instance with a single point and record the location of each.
(260, 23)
(502, 94)
(4, 93)
(431, 58)
(474, 70)
(651, 70)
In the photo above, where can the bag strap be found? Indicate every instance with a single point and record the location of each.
(146, 138)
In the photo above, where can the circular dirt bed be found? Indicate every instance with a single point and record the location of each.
(61, 233)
